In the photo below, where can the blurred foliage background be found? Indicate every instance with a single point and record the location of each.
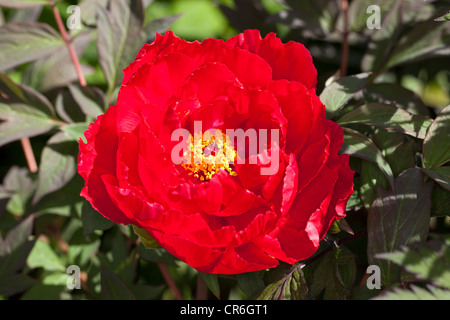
(388, 87)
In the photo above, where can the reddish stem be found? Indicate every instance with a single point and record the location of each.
(29, 155)
(345, 48)
(72, 52)
(169, 280)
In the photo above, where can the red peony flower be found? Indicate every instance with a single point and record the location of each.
(266, 185)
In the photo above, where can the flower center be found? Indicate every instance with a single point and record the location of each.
(207, 153)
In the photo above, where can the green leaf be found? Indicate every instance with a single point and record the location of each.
(16, 260)
(338, 93)
(14, 284)
(357, 145)
(22, 42)
(426, 40)
(388, 117)
(57, 166)
(57, 70)
(75, 131)
(158, 25)
(436, 145)
(383, 39)
(17, 236)
(113, 288)
(397, 218)
(445, 17)
(25, 112)
(82, 249)
(212, 283)
(157, 255)
(20, 4)
(44, 292)
(92, 220)
(21, 188)
(250, 283)
(146, 239)
(440, 201)
(291, 286)
(119, 29)
(429, 261)
(416, 293)
(327, 277)
(397, 149)
(371, 179)
(89, 99)
(441, 175)
(395, 94)
(43, 256)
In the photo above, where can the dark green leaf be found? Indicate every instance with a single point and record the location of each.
(113, 288)
(436, 146)
(394, 94)
(415, 293)
(119, 31)
(16, 259)
(292, 286)
(327, 276)
(441, 175)
(92, 220)
(159, 25)
(22, 42)
(211, 282)
(250, 283)
(371, 179)
(429, 261)
(398, 218)
(388, 117)
(68, 109)
(20, 4)
(426, 40)
(338, 93)
(21, 186)
(147, 292)
(89, 99)
(157, 255)
(357, 145)
(396, 148)
(57, 70)
(57, 166)
(384, 38)
(44, 292)
(18, 236)
(15, 283)
(440, 202)
(247, 14)
(82, 249)
(26, 112)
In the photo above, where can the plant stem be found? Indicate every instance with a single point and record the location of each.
(169, 280)
(29, 155)
(69, 46)
(202, 289)
(345, 47)
(329, 248)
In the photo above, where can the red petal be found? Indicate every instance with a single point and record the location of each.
(208, 196)
(290, 61)
(296, 105)
(96, 158)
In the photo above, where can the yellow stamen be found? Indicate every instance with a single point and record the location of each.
(207, 155)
